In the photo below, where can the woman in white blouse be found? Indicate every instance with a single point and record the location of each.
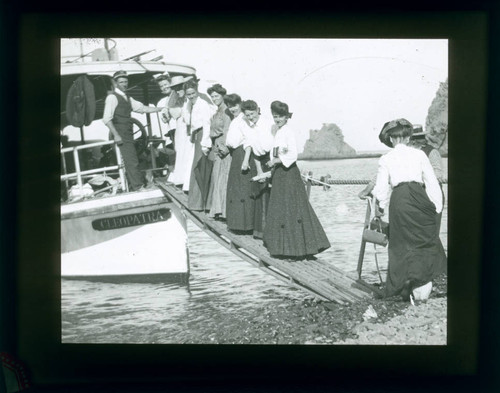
(240, 207)
(259, 142)
(292, 231)
(416, 198)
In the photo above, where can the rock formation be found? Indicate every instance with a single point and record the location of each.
(326, 143)
(436, 123)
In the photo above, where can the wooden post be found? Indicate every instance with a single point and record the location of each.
(363, 243)
(77, 169)
(149, 127)
(121, 171)
(309, 185)
(65, 170)
(81, 135)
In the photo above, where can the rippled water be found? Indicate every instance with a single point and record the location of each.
(221, 286)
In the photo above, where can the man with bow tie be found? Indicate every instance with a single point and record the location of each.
(117, 117)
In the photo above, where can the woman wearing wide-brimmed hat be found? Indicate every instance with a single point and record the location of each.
(292, 228)
(416, 198)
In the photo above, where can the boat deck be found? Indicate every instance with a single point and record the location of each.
(317, 277)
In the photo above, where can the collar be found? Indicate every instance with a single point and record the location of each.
(401, 146)
(118, 91)
(222, 107)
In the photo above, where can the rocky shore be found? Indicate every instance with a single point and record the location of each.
(310, 321)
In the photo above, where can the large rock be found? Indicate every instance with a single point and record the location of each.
(436, 123)
(326, 143)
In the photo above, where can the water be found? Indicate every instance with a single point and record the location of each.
(223, 290)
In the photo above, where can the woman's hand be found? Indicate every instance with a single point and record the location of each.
(244, 166)
(273, 162)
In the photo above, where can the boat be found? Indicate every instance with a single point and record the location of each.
(108, 232)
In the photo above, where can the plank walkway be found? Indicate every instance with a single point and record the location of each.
(317, 277)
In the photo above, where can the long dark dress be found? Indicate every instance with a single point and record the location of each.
(415, 252)
(219, 126)
(260, 193)
(292, 227)
(240, 206)
(195, 197)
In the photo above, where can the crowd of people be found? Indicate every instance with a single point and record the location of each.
(241, 168)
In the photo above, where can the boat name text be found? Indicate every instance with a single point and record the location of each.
(130, 220)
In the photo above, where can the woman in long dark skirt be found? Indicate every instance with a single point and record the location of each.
(240, 206)
(416, 199)
(292, 228)
(259, 143)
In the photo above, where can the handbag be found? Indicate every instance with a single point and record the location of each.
(377, 231)
(375, 235)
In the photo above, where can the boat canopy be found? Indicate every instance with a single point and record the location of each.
(142, 84)
(131, 67)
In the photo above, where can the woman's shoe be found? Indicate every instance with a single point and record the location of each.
(405, 292)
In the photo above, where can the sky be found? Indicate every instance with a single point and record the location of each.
(357, 84)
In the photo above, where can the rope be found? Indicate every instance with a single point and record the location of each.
(336, 181)
(316, 182)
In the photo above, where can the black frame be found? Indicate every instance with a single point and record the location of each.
(33, 333)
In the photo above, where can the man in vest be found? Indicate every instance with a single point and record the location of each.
(117, 117)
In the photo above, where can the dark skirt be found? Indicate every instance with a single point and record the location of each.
(292, 228)
(415, 251)
(260, 192)
(198, 185)
(240, 206)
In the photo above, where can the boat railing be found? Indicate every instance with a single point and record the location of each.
(79, 174)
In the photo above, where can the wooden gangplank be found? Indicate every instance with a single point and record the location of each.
(317, 277)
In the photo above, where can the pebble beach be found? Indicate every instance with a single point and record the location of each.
(313, 322)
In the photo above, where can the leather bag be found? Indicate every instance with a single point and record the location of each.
(377, 231)
(375, 235)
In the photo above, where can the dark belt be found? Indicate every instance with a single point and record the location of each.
(408, 183)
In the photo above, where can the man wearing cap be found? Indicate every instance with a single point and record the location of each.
(117, 117)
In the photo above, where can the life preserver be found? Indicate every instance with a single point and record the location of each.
(80, 102)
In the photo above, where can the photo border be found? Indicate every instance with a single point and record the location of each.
(37, 322)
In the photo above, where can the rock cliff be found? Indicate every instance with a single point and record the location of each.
(436, 123)
(326, 143)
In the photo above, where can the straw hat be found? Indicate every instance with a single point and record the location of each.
(179, 79)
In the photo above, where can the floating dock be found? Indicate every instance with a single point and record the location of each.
(317, 277)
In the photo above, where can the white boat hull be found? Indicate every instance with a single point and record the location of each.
(133, 235)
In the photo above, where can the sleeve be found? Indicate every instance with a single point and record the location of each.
(233, 138)
(431, 184)
(109, 108)
(248, 135)
(217, 124)
(226, 124)
(288, 153)
(136, 106)
(437, 164)
(206, 115)
(262, 139)
(186, 112)
(382, 186)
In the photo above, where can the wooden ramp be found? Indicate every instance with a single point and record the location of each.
(317, 277)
